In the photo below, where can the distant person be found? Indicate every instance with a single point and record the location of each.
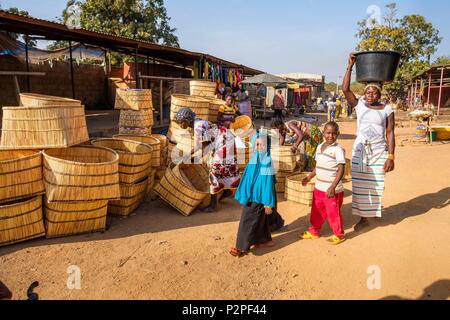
(373, 149)
(328, 193)
(278, 104)
(243, 101)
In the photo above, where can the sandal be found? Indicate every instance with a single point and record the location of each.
(267, 244)
(235, 252)
(335, 240)
(308, 235)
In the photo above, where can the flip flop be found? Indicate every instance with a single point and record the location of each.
(308, 235)
(335, 240)
(235, 252)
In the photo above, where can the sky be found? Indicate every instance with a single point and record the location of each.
(310, 36)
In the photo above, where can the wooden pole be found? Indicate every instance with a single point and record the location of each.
(161, 102)
(415, 94)
(440, 90)
(429, 88)
(71, 70)
(27, 63)
(136, 68)
(148, 71)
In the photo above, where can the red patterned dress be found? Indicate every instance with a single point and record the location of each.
(224, 169)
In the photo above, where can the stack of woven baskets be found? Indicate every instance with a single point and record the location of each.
(286, 163)
(77, 181)
(136, 111)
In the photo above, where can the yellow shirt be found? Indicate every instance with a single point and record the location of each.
(228, 110)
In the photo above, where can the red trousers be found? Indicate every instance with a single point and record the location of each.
(323, 208)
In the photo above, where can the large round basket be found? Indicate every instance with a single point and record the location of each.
(131, 196)
(81, 173)
(163, 141)
(147, 139)
(134, 158)
(196, 177)
(348, 170)
(296, 192)
(54, 126)
(214, 105)
(134, 99)
(198, 105)
(21, 220)
(178, 194)
(20, 174)
(39, 100)
(202, 88)
(283, 158)
(280, 185)
(70, 218)
(136, 118)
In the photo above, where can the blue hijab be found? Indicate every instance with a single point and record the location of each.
(258, 181)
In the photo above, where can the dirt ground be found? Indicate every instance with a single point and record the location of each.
(158, 254)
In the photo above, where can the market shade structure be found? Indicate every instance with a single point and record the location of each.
(266, 79)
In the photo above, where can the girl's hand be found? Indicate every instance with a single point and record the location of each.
(351, 59)
(294, 149)
(305, 180)
(389, 165)
(268, 210)
(331, 191)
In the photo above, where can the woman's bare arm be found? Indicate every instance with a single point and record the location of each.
(390, 138)
(349, 95)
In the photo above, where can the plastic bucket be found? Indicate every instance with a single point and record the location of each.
(376, 66)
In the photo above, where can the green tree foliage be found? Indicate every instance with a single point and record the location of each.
(411, 35)
(144, 20)
(444, 60)
(31, 43)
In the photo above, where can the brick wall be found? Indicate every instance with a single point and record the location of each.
(90, 83)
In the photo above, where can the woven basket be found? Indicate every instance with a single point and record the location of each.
(283, 158)
(198, 105)
(196, 177)
(43, 127)
(136, 118)
(296, 192)
(134, 158)
(70, 218)
(39, 100)
(179, 195)
(163, 141)
(214, 105)
(81, 173)
(202, 88)
(131, 196)
(151, 180)
(348, 170)
(21, 220)
(134, 99)
(135, 131)
(242, 126)
(147, 139)
(281, 176)
(20, 174)
(175, 133)
(243, 156)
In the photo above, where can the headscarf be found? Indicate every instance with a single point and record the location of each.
(258, 180)
(185, 114)
(376, 85)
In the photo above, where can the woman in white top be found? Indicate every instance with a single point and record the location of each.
(373, 149)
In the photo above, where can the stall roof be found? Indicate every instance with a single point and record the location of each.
(56, 31)
(435, 72)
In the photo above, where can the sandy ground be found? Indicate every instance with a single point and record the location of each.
(159, 254)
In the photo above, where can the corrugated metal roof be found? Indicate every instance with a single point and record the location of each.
(57, 31)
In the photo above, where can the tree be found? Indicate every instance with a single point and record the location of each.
(411, 35)
(444, 60)
(15, 36)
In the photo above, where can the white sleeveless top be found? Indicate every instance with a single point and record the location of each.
(371, 127)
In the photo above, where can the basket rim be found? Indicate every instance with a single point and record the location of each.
(48, 106)
(289, 177)
(171, 166)
(33, 155)
(189, 97)
(146, 145)
(41, 96)
(116, 155)
(21, 201)
(119, 135)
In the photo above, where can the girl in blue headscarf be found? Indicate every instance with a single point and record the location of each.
(256, 192)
